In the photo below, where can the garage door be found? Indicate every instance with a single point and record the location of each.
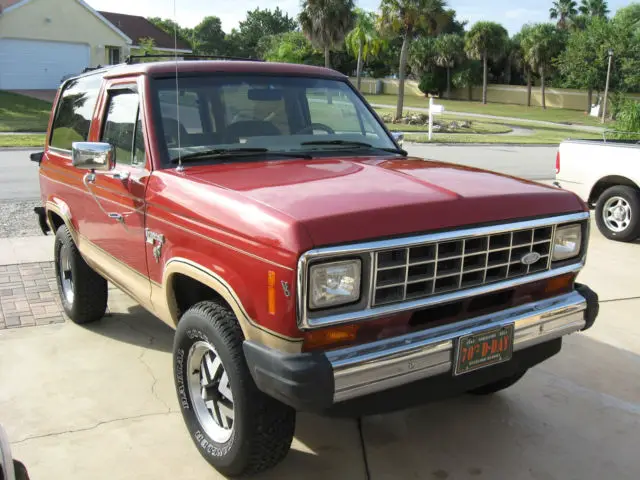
(39, 65)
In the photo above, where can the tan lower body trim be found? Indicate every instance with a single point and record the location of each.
(160, 299)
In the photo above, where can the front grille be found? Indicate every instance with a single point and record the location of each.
(428, 269)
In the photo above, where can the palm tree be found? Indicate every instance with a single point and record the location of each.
(564, 11)
(594, 8)
(486, 40)
(541, 44)
(519, 58)
(325, 23)
(449, 50)
(410, 18)
(363, 40)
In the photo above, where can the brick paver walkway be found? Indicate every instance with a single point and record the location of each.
(29, 295)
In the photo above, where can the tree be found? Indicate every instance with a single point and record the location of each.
(260, 24)
(208, 37)
(449, 50)
(410, 18)
(594, 8)
(626, 23)
(169, 26)
(519, 58)
(291, 47)
(541, 45)
(326, 22)
(565, 11)
(486, 40)
(363, 40)
(584, 62)
(468, 75)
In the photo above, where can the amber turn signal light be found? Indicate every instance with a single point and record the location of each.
(561, 284)
(330, 337)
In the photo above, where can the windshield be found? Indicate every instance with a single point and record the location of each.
(276, 114)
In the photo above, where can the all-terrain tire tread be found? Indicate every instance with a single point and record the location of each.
(275, 422)
(91, 291)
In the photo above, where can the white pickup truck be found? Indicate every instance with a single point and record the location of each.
(606, 175)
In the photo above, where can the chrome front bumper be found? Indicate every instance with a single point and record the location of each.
(381, 365)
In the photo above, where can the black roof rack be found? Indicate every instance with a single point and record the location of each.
(188, 56)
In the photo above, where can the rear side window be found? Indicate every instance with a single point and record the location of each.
(75, 109)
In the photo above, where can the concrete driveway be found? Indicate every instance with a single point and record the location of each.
(98, 402)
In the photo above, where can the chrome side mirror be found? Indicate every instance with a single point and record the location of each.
(398, 137)
(94, 156)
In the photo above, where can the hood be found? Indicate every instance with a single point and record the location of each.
(354, 199)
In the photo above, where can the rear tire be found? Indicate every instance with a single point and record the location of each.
(618, 213)
(501, 384)
(83, 292)
(237, 428)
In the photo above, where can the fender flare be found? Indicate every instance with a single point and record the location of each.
(251, 329)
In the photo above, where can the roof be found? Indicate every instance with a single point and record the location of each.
(137, 28)
(222, 66)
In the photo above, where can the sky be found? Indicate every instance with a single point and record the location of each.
(512, 14)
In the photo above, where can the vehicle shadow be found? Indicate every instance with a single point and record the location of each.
(574, 416)
(137, 327)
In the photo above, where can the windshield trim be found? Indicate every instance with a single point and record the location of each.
(164, 162)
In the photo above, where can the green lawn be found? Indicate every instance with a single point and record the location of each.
(23, 114)
(22, 140)
(558, 115)
(540, 136)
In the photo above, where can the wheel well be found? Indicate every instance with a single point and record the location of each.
(608, 182)
(55, 221)
(188, 292)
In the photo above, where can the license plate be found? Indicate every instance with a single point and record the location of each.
(482, 349)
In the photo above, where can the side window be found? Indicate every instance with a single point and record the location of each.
(75, 109)
(123, 128)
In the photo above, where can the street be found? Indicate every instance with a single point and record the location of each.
(19, 179)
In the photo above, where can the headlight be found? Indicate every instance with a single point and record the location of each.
(566, 243)
(332, 284)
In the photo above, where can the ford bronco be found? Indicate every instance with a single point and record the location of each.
(305, 261)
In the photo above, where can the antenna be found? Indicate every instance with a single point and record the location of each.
(180, 168)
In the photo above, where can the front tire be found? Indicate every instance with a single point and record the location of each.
(618, 213)
(237, 428)
(83, 292)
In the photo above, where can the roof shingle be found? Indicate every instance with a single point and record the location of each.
(136, 28)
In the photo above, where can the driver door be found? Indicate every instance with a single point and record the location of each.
(118, 226)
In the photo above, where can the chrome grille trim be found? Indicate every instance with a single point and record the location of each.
(307, 320)
(537, 239)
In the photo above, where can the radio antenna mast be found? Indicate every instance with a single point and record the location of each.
(180, 168)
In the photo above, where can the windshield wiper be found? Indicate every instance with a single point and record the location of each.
(237, 152)
(348, 143)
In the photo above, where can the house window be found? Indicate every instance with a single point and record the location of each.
(113, 55)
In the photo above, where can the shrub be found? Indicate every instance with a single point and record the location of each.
(433, 82)
(628, 117)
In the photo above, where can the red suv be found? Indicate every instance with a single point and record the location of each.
(306, 262)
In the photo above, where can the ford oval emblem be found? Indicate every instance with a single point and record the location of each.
(530, 258)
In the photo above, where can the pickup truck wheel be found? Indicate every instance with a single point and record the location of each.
(618, 213)
(238, 429)
(501, 384)
(82, 291)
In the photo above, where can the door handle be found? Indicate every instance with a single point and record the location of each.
(121, 176)
(116, 216)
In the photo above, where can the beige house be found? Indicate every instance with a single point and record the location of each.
(42, 41)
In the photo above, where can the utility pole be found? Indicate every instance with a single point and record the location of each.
(606, 89)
